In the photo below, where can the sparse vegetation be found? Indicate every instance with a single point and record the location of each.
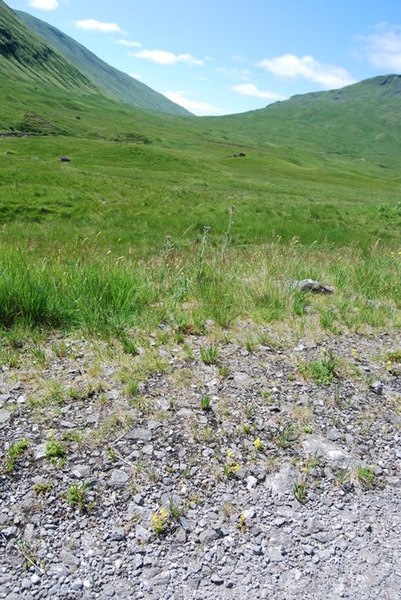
(78, 496)
(210, 354)
(321, 371)
(15, 450)
(206, 403)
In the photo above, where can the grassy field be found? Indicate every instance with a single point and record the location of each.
(139, 227)
(119, 237)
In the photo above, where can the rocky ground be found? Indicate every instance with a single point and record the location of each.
(227, 465)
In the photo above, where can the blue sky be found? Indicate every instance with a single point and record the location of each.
(226, 56)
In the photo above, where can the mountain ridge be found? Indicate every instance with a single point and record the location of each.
(111, 81)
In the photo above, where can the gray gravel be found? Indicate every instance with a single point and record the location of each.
(285, 488)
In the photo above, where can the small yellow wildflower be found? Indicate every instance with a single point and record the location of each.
(159, 521)
(258, 444)
(241, 524)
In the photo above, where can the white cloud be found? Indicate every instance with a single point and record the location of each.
(250, 89)
(383, 48)
(242, 74)
(291, 66)
(129, 44)
(94, 25)
(44, 4)
(135, 75)
(162, 57)
(199, 108)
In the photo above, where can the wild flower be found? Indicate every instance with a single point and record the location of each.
(160, 521)
(241, 523)
(231, 466)
(258, 444)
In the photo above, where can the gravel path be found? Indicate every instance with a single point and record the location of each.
(273, 472)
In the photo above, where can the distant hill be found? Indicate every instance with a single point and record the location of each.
(362, 120)
(24, 55)
(111, 81)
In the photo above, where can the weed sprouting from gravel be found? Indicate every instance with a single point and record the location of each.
(210, 354)
(321, 371)
(300, 491)
(206, 403)
(55, 451)
(14, 452)
(41, 489)
(365, 476)
(77, 496)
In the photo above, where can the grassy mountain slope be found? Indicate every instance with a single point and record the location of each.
(113, 82)
(24, 55)
(362, 120)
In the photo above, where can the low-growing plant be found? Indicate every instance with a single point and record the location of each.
(160, 521)
(175, 509)
(77, 496)
(206, 403)
(300, 491)
(366, 476)
(287, 437)
(210, 354)
(321, 371)
(55, 451)
(41, 489)
(241, 523)
(258, 444)
(231, 466)
(394, 356)
(14, 452)
(223, 371)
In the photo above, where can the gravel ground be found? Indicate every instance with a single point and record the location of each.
(273, 472)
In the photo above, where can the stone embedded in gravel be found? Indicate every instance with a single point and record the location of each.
(139, 434)
(216, 579)
(4, 416)
(35, 579)
(119, 478)
(118, 534)
(319, 447)
(142, 534)
(251, 482)
(377, 387)
(81, 471)
(209, 535)
(39, 451)
(282, 483)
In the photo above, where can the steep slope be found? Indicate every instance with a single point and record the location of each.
(362, 120)
(24, 55)
(113, 82)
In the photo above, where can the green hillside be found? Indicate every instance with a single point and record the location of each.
(111, 81)
(24, 55)
(362, 121)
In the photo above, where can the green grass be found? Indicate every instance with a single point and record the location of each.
(133, 235)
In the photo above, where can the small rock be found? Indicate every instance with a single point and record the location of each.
(209, 535)
(118, 478)
(139, 434)
(310, 285)
(377, 387)
(39, 451)
(251, 482)
(216, 579)
(142, 534)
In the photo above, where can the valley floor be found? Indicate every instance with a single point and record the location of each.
(202, 467)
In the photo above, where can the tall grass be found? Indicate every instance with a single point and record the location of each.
(104, 295)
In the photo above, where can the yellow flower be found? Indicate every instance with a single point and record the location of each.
(258, 444)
